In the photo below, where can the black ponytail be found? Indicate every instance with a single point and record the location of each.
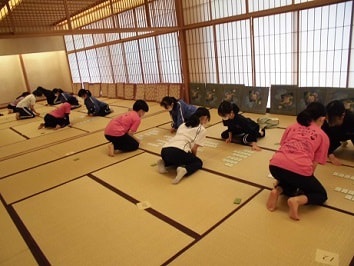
(312, 112)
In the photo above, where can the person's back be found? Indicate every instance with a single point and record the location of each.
(299, 147)
(120, 125)
(96, 107)
(186, 137)
(27, 101)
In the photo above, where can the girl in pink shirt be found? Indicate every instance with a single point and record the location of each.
(303, 146)
(59, 117)
(119, 131)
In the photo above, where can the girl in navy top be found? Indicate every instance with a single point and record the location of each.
(239, 128)
(178, 109)
(94, 106)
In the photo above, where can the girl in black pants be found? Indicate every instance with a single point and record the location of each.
(240, 129)
(303, 146)
(181, 150)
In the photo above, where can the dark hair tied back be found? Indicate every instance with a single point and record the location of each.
(312, 112)
(168, 101)
(83, 92)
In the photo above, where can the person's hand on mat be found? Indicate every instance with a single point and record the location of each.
(255, 147)
(173, 130)
(333, 159)
(228, 140)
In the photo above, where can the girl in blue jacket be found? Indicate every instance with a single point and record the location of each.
(178, 109)
(94, 106)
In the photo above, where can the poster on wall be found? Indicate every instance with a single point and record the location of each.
(346, 95)
(232, 93)
(254, 99)
(283, 99)
(197, 93)
(307, 95)
(213, 95)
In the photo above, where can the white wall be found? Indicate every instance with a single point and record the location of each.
(44, 64)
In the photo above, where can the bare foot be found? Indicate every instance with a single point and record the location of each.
(110, 149)
(57, 126)
(17, 116)
(41, 126)
(273, 199)
(293, 208)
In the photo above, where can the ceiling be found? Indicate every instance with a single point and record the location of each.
(48, 16)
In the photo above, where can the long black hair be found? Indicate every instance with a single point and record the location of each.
(312, 112)
(193, 120)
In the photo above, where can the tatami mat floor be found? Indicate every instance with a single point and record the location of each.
(64, 201)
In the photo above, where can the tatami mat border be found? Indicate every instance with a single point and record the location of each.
(157, 214)
(211, 229)
(27, 237)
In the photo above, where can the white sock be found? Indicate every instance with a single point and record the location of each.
(181, 172)
(161, 166)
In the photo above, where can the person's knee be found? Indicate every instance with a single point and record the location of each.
(324, 197)
(200, 163)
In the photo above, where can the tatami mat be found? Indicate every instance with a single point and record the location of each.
(346, 154)
(129, 103)
(255, 236)
(13, 122)
(92, 124)
(25, 184)
(7, 118)
(9, 136)
(200, 191)
(87, 224)
(30, 130)
(79, 144)
(153, 139)
(284, 120)
(117, 110)
(26, 161)
(238, 161)
(14, 250)
(51, 153)
(339, 183)
(43, 110)
(154, 121)
(272, 139)
(38, 142)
